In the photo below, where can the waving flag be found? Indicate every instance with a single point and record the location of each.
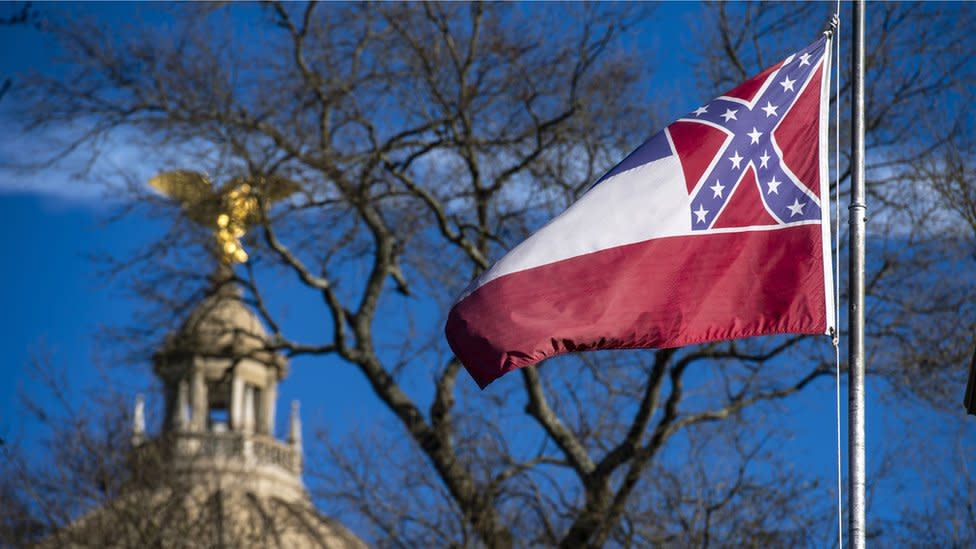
(715, 228)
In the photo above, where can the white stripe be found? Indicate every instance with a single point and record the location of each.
(649, 201)
(825, 192)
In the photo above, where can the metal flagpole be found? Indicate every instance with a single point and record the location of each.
(855, 373)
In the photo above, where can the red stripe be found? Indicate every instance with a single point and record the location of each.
(661, 293)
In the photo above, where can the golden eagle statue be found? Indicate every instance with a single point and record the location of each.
(229, 209)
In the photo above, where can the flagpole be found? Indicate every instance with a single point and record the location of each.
(855, 372)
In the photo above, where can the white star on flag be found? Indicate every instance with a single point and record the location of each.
(773, 186)
(754, 135)
(718, 187)
(701, 110)
(770, 109)
(787, 84)
(736, 159)
(805, 59)
(764, 159)
(797, 207)
(729, 115)
(701, 212)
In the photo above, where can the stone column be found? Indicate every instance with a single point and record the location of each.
(200, 409)
(249, 405)
(181, 417)
(269, 397)
(236, 411)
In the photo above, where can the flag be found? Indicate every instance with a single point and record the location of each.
(715, 228)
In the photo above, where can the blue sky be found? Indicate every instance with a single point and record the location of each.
(54, 297)
(53, 221)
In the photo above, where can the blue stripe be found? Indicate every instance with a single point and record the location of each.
(655, 148)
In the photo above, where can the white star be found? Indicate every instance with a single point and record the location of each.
(787, 84)
(754, 135)
(796, 208)
(718, 188)
(770, 109)
(701, 110)
(736, 159)
(773, 186)
(700, 213)
(764, 158)
(729, 115)
(805, 59)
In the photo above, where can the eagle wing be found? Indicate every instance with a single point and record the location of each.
(194, 192)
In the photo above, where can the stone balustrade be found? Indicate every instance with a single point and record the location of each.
(209, 446)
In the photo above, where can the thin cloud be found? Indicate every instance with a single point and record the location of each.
(101, 172)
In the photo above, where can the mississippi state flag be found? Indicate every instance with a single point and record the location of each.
(715, 228)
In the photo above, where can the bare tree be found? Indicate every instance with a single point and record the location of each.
(947, 518)
(428, 138)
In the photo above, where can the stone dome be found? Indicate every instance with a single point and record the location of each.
(221, 325)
